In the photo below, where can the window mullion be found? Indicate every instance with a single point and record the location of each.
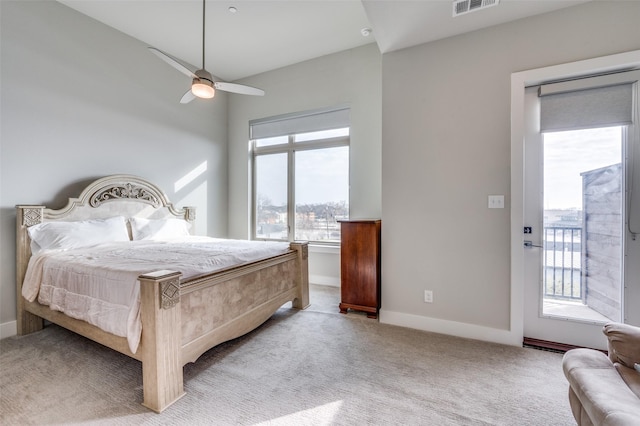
(301, 146)
(254, 195)
(291, 207)
(322, 143)
(270, 149)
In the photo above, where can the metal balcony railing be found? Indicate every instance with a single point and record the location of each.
(562, 262)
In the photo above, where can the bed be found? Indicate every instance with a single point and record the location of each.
(180, 318)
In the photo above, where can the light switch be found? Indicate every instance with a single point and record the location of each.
(496, 201)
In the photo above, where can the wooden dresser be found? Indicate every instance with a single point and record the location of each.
(360, 266)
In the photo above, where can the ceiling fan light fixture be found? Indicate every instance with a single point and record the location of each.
(203, 84)
(202, 89)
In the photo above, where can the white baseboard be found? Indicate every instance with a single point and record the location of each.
(324, 280)
(8, 329)
(452, 328)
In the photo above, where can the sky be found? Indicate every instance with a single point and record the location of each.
(321, 175)
(569, 153)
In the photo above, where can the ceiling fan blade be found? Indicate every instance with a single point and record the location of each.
(238, 88)
(187, 97)
(172, 61)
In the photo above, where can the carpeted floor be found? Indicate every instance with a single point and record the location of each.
(312, 367)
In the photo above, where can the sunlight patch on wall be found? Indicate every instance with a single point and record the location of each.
(190, 177)
(196, 197)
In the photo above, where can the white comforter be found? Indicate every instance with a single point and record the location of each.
(100, 284)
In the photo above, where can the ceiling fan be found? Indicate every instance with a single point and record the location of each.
(202, 83)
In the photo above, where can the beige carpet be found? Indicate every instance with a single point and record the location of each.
(313, 367)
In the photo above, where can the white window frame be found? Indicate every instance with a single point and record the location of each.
(290, 147)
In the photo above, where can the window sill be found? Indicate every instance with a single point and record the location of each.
(326, 249)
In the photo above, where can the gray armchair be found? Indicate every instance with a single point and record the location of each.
(606, 390)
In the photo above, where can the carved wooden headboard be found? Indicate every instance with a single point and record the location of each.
(116, 195)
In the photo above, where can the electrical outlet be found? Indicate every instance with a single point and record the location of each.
(428, 296)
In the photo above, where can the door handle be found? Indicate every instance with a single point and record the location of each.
(528, 243)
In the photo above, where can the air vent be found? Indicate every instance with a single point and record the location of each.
(460, 7)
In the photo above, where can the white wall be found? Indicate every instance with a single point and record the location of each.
(446, 147)
(351, 77)
(80, 101)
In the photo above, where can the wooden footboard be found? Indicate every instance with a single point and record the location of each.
(232, 303)
(180, 320)
(212, 310)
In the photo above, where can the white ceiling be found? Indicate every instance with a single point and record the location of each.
(268, 34)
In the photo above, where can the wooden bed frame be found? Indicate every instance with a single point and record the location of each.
(180, 319)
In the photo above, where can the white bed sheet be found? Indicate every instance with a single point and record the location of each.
(100, 284)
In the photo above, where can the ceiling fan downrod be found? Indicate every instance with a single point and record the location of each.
(203, 28)
(202, 85)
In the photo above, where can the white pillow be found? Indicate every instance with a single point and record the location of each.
(84, 233)
(158, 229)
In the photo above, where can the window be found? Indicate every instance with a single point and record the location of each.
(300, 173)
